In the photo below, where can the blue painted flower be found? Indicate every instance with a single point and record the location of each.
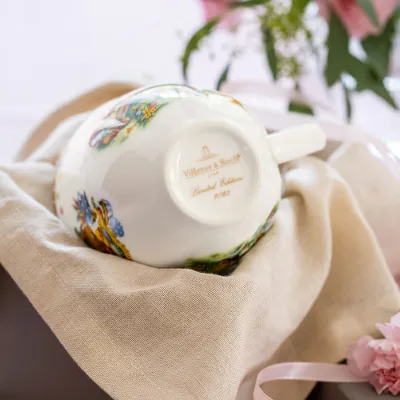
(139, 113)
(85, 207)
(116, 227)
(113, 223)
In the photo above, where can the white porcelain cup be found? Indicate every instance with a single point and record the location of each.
(171, 176)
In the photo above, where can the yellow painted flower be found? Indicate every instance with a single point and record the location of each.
(147, 113)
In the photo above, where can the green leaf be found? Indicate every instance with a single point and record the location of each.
(300, 108)
(269, 46)
(299, 5)
(360, 71)
(378, 48)
(247, 3)
(194, 42)
(224, 75)
(338, 50)
(369, 9)
(380, 90)
(367, 79)
(349, 109)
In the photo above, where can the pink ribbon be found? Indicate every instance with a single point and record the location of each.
(303, 371)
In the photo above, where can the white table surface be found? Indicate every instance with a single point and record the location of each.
(54, 50)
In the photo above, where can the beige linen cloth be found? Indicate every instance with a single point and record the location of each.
(317, 281)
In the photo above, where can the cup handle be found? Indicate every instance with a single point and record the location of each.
(290, 144)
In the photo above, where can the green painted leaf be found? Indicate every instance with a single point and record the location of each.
(338, 50)
(300, 108)
(247, 3)
(224, 75)
(378, 48)
(269, 46)
(194, 42)
(369, 9)
(367, 79)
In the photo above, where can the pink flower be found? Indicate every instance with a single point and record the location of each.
(391, 330)
(361, 357)
(386, 381)
(386, 354)
(379, 360)
(215, 8)
(353, 17)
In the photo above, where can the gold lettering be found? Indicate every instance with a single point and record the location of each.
(210, 174)
(228, 181)
(221, 194)
(193, 172)
(212, 168)
(198, 190)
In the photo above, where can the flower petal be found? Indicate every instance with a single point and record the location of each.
(386, 330)
(375, 382)
(357, 23)
(361, 357)
(214, 8)
(382, 362)
(395, 320)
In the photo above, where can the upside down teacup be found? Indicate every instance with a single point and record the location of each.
(171, 176)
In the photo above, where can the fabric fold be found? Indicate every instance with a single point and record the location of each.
(316, 281)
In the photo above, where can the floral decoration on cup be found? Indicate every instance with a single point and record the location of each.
(98, 227)
(125, 118)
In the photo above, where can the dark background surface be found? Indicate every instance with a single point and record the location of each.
(33, 363)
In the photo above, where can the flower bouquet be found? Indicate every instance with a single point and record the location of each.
(348, 42)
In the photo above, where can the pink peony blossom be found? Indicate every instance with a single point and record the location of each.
(214, 8)
(379, 360)
(353, 17)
